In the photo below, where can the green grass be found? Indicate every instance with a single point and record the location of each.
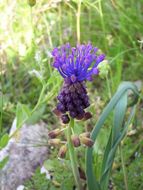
(25, 33)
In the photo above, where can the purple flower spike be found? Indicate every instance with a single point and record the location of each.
(76, 65)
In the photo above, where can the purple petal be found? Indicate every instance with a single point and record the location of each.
(95, 71)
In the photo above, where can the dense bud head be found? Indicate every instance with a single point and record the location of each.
(75, 140)
(86, 141)
(62, 151)
(54, 133)
(65, 119)
(70, 100)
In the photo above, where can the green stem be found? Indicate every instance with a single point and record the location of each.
(33, 27)
(102, 23)
(123, 167)
(72, 155)
(78, 20)
(48, 30)
(108, 87)
(1, 114)
(60, 23)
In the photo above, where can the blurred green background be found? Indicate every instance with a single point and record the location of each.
(29, 33)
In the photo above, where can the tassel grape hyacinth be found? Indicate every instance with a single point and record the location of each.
(76, 65)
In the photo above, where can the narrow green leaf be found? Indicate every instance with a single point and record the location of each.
(4, 140)
(36, 115)
(118, 141)
(22, 114)
(3, 162)
(119, 114)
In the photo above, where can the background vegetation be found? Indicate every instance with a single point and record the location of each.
(27, 36)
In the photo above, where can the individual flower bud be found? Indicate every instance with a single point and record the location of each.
(62, 151)
(87, 141)
(87, 116)
(54, 142)
(75, 140)
(65, 119)
(54, 133)
(57, 112)
(31, 2)
(80, 117)
(86, 134)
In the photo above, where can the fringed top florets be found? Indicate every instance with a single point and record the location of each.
(77, 64)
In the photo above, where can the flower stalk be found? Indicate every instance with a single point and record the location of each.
(123, 168)
(78, 21)
(72, 155)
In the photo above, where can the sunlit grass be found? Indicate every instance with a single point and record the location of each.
(27, 35)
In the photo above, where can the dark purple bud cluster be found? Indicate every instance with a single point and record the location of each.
(73, 99)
